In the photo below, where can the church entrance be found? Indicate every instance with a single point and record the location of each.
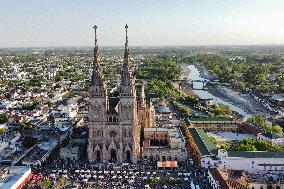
(128, 157)
(113, 155)
(98, 155)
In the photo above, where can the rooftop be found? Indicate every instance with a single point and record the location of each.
(207, 119)
(271, 135)
(204, 144)
(277, 97)
(256, 154)
(16, 172)
(164, 109)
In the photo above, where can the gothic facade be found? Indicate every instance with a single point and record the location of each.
(115, 128)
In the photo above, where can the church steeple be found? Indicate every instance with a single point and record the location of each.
(126, 74)
(126, 50)
(97, 76)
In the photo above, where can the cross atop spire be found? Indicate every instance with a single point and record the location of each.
(95, 27)
(96, 49)
(126, 41)
(126, 50)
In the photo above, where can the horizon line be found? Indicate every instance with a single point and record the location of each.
(135, 46)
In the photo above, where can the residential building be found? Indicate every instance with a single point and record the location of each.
(273, 138)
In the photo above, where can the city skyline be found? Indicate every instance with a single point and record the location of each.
(158, 23)
(142, 94)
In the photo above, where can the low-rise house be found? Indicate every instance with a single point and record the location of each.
(40, 153)
(164, 113)
(273, 138)
(5, 104)
(8, 139)
(73, 150)
(277, 99)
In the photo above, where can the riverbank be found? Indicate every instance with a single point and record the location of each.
(204, 72)
(243, 101)
(238, 99)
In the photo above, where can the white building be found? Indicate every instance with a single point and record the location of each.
(251, 162)
(4, 104)
(9, 140)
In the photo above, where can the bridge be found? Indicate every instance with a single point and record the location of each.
(190, 83)
(204, 82)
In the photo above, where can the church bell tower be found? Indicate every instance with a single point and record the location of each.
(97, 107)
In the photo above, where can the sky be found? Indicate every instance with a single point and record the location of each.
(43, 23)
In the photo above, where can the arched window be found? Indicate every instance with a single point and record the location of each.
(113, 155)
(98, 155)
(128, 155)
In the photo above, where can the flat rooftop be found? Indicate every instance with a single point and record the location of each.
(16, 172)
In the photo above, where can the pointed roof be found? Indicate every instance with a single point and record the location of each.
(97, 76)
(126, 75)
(126, 49)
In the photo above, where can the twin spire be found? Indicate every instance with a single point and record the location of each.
(96, 48)
(126, 52)
(97, 76)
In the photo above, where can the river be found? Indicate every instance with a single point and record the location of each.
(194, 74)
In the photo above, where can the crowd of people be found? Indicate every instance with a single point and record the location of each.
(80, 174)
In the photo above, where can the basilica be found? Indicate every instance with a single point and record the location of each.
(116, 123)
